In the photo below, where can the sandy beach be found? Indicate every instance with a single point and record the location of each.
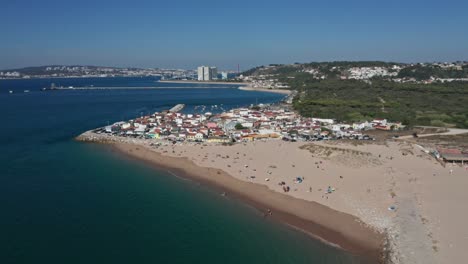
(250, 88)
(365, 198)
(245, 86)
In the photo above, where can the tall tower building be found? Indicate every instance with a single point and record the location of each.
(201, 73)
(206, 73)
(213, 73)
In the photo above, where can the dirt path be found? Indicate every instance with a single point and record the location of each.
(451, 131)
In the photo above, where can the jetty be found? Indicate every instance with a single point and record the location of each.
(177, 108)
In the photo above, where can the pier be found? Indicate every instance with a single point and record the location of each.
(177, 108)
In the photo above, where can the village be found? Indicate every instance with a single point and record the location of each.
(260, 122)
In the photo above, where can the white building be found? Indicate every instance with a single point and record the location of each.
(201, 73)
(224, 75)
(206, 73)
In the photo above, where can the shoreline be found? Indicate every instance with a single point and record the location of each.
(316, 220)
(244, 86)
(390, 201)
(203, 82)
(268, 90)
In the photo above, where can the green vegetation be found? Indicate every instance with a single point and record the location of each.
(413, 104)
(255, 107)
(335, 69)
(331, 69)
(324, 94)
(420, 72)
(239, 126)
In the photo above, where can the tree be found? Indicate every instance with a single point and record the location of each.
(255, 107)
(239, 126)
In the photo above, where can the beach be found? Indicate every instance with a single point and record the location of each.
(245, 86)
(268, 90)
(370, 199)
(336, 228)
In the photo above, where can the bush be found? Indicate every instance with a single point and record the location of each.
(239, 126)
(438, 123)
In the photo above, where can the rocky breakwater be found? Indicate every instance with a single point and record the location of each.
(90, 136)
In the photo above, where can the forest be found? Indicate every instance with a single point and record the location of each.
(438, 104)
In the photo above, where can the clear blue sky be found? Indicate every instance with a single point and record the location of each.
(152, 33)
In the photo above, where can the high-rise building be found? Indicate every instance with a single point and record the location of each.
(207, 73)
(201, 73)
(213, 73)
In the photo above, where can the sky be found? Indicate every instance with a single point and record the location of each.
(185, 34)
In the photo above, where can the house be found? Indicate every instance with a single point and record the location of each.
(362, 126)
(266, 131)
(218, 133)
(211, 125)
(182, 136)
(247, 124)
(453, 155)
(154, 135)
(191, 136)
(140, 129)
(245, 132)
(379, 121)
(339, 127)
(199, 137)
(126, 126)
(324, 121)
(108, 129)
(230, 125)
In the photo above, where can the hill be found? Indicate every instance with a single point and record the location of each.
(356, 91)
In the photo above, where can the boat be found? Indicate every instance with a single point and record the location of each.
(26, 91)
(10, 91)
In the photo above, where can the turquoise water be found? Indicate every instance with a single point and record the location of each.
(63, 201)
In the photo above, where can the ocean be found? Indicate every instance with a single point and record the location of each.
(64, 201)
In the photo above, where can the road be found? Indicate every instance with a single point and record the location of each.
(451, 131)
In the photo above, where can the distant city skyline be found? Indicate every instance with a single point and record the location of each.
(151, 34)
